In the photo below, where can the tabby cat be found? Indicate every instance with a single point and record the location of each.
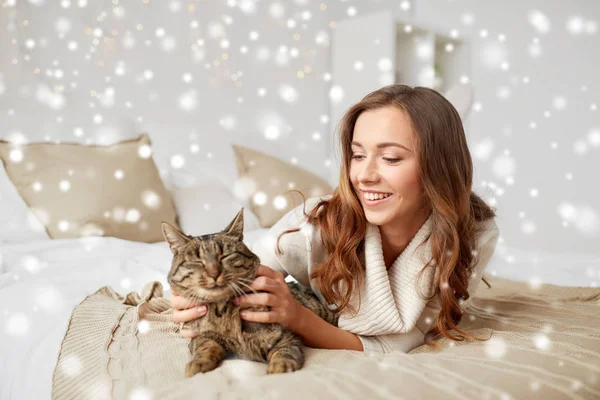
(214, 269)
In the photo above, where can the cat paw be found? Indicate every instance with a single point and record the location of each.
(199, 365)
(282, 366)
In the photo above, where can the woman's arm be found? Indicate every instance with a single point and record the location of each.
(290, 313)
(320, 334)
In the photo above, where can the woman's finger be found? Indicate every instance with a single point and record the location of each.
(264, 283)
(189, 315)
(263, 299)
(259, 316)
(181, 303)
(269, 272)
(188, 333)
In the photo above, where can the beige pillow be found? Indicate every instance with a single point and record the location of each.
(269, 179)
(91, 190)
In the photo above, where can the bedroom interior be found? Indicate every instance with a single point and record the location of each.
(119, 115)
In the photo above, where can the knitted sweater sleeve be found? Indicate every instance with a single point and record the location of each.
(294, 258)
(403, 342)
(486, 247)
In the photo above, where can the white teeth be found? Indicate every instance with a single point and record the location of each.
(373, 196)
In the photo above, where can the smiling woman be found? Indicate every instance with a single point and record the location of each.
(401, 245)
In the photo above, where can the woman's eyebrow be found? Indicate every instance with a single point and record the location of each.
(384, 144)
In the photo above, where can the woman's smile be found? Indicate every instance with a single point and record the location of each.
(370, 200)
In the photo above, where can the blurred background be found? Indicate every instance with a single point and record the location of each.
(275, 76)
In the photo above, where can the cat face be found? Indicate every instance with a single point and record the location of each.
(213, 267)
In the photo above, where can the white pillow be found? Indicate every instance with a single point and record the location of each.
(208, 208)
(17, 222)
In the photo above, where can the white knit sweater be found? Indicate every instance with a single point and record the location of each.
(392, 315)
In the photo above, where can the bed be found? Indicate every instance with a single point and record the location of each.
(545, 339)
(542, 318)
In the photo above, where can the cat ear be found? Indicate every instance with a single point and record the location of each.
(173, 236)
(236, 227)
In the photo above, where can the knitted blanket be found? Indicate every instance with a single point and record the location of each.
(544, 343)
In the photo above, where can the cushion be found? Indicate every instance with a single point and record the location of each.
(267, 181)
(91, 190)
(209, 207)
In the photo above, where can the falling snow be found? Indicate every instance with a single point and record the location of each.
(260, 73)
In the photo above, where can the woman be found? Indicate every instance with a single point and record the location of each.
(398, 248)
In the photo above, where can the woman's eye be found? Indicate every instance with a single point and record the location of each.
(392, 160)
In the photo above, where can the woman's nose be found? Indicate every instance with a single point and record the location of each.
(369, 172)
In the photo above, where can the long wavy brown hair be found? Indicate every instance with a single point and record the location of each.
(446, 172)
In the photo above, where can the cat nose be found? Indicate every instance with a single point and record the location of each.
(213, 270)
(214, 273)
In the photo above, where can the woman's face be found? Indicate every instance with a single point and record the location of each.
(384, 161)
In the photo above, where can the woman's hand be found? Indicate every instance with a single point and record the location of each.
(285, 309)
(184, 311)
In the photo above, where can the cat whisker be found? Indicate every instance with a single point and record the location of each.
(235, 288)
(246, 280)
(232, 285)
(193, 295)
(245, 293)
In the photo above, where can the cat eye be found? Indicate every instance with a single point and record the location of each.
(183, 278)
(190, 267)
(232, 257)
(237, 263)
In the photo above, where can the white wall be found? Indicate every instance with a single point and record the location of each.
(562, 79)
(225, 113)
